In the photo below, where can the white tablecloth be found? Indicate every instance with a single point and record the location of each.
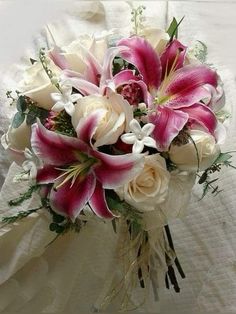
(66, 277)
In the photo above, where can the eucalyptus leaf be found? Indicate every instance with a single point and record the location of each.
(21, 104)
(31, 118)
(18, 119)
(222, 158)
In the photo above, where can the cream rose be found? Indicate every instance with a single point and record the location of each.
(117, 114)
(158, 38)
(186, 157)
(150, 187)
(17, 139)
(38, 86)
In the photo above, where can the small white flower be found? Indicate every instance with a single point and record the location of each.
(29, 166)
(139, 136)
(65, 99)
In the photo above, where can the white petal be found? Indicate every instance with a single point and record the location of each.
(70, 108)
(128, 138)
(56, 97)
(138, 147)
(135, 127)
(75, 97)
(148, 128)
(149, 141)
(59, 106)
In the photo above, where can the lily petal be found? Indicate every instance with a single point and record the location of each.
(87, 125)
(85, 87)
(58, 58)
(185, 86)
(173, 57)
(114, 171)
(168, 123)
(53, 148)
(128, 77)
(69, 200)
(202, 115)
(47, 174)
(98, 203)
(107, 64)
(141, 54)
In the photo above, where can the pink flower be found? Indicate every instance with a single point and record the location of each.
(177, 90)
(78, 173)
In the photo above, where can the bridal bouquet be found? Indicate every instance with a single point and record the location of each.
(119, 128)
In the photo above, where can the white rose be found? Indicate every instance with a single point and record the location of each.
(176, 202)
(158, 38)
(186, 157)
(150, 187)
(37, 85)
(18, 138)
(117, 114)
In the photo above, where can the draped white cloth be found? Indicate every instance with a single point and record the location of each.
(68, 275)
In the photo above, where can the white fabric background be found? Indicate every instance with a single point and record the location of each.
(66, 277)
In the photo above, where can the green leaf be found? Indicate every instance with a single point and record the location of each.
(58, 218)
(31, 117)
(21, 104)
(18, 119)
(173, 28)
(203, 177)
(114, 225)
(222, 158)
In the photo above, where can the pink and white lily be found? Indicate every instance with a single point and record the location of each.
(98, 75)
(177, 94)
(79, 174)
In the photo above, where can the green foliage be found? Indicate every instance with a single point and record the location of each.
(27, 108)
(20, 215)
(24, 196)
(200, 51)
(127, 211)
(224, 159)
(18, 119)
(173, 28)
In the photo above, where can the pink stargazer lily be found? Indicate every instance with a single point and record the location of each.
(98, 77)
(177, 90)
(78, 173)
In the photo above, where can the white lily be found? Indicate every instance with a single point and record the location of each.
(139, 137)
(65, 99)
